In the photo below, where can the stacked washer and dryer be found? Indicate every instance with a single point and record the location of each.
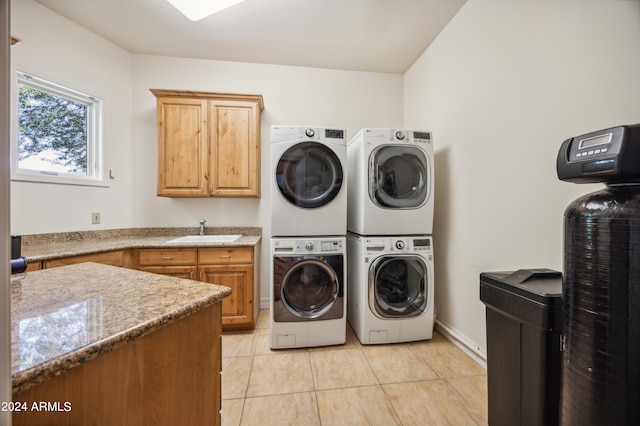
(308, 244)
(389, 222)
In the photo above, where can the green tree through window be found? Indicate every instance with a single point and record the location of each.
(52, 129)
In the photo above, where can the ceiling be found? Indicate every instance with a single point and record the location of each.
(361, 35)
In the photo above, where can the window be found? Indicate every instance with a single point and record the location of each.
(58, 137)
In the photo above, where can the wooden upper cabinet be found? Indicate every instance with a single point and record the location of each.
(183, 147)
(208, 144)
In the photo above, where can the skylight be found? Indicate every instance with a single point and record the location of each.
(199, 9)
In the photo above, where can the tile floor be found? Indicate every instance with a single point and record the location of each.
(421, 383)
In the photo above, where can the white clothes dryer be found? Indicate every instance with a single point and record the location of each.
(308, 183)
(308, 292)
(390, 182)
(390, 293)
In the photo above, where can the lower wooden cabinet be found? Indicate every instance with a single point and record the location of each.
(232, 267)
(228, 266)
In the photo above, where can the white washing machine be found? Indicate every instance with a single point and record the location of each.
(308, 292)
(390, 182)
(308, 184)
(390, 293)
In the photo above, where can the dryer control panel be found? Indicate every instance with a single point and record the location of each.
(611, 155)
(412, 136)
(309, 246)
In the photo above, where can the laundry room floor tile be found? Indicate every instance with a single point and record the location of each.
(417, 383)
(280, 374)
(472, 390)
(232, 411)
(431, 402)
(446, 359)
(396, 363)
(341, 368)
(290, 409)
(239, 343)
(263, 320)
(235, 376)
(366, 405)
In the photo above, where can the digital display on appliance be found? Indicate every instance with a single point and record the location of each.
(421, 135)
(422, 243)
(594, 141)
(336, 134)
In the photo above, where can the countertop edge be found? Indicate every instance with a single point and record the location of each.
(38, 374)
(91, 247)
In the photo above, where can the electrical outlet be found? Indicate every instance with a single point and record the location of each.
(95, 218)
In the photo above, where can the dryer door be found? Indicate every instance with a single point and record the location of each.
(398, 177)
(309, 287)
(309, 175)
(398, 286)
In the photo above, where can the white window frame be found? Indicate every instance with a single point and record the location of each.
(95, 168)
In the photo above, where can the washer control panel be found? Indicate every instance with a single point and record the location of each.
(378, 136)
(398, 245)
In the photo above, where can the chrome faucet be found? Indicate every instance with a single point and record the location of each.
(202, 222)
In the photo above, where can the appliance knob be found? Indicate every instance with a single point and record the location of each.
(399, 135)
(399, 244)
(308, 246)
(309, 133)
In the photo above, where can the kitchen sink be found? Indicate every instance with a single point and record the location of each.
(205, 239)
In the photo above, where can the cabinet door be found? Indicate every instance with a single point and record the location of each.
(235, 148)
(237, 309)
(182, 147)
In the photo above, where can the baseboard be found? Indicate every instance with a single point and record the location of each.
(265, 303)
(462, 342)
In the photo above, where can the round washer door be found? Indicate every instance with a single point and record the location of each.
(309, 288)
(398, 286)
(398, 177)
(309, 175)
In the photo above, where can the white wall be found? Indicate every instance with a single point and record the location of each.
(56, 49)
(292, 95)
(501, 87)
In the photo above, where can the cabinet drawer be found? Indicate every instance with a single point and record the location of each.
(149, 257)
(225, 255)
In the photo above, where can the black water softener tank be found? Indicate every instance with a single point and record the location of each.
(601, 280)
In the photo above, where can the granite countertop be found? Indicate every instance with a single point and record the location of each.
(65, 316)
(39, 247)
